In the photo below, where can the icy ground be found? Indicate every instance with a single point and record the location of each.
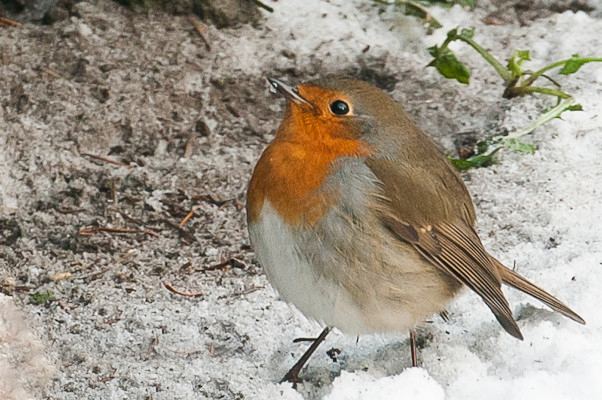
(190, 122)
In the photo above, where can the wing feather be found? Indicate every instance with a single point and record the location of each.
(457, 251)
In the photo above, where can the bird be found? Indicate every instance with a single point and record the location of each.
(362, 223)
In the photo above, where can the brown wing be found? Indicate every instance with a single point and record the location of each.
(426, 204)
(456, 249)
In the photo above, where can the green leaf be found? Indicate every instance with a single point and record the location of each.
(433, 23)
(40, 297)
(515, 62)
(467, 33)
(518, 145)
(478, 161)
(460, 163)
(483, 159)
(573, 65)
(523, 55)
(574, 107)
(453, 34)
(448, 65)
(486, 145)
(433, 51)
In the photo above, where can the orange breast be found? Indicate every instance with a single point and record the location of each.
(290, 175)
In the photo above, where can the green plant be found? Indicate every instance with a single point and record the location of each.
(39, 298)
(517, 82)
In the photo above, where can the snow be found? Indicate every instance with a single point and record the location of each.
(541, 213)
(22, 359)
(414, 383)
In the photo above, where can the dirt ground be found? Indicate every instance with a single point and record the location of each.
(115, 127)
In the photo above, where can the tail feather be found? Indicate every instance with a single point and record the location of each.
(508, 323)
(513, 279)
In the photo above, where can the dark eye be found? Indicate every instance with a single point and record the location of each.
(339, 107)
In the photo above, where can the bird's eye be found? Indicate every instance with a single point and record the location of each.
(339, 107)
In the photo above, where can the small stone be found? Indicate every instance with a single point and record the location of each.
(8, 285)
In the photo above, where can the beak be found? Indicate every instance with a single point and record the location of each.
(290, 92)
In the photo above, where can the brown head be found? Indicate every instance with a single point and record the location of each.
(336, 107)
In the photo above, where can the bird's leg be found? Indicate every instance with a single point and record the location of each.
(293, 374)
(413, 347)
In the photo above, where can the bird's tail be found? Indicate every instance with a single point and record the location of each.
(513, 279)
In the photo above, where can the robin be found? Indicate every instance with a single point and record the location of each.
(362, 223)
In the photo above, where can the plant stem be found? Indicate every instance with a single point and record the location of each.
(524, 90)
(543, 118)
(501, 70)
(540, 72)
(557, 64)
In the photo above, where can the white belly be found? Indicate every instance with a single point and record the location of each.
(298, 282)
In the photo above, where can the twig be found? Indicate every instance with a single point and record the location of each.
(64, 210)
(304, 339)
(153, 344)
(264, 6)
(8, 22)
(234, 262)
(186, 218)
(184, 235)
(209, 198)
(92, 230)
(249, 290)
(103, 380)
(186, 353)
(174, 290)
(183, 269)
(128, 254)
(53, 73)
(201, 28)
(107, 160)
(189, 144)
(113, 191)
(131, 219)
(131, 198)
(252, 289)
(90, 277)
